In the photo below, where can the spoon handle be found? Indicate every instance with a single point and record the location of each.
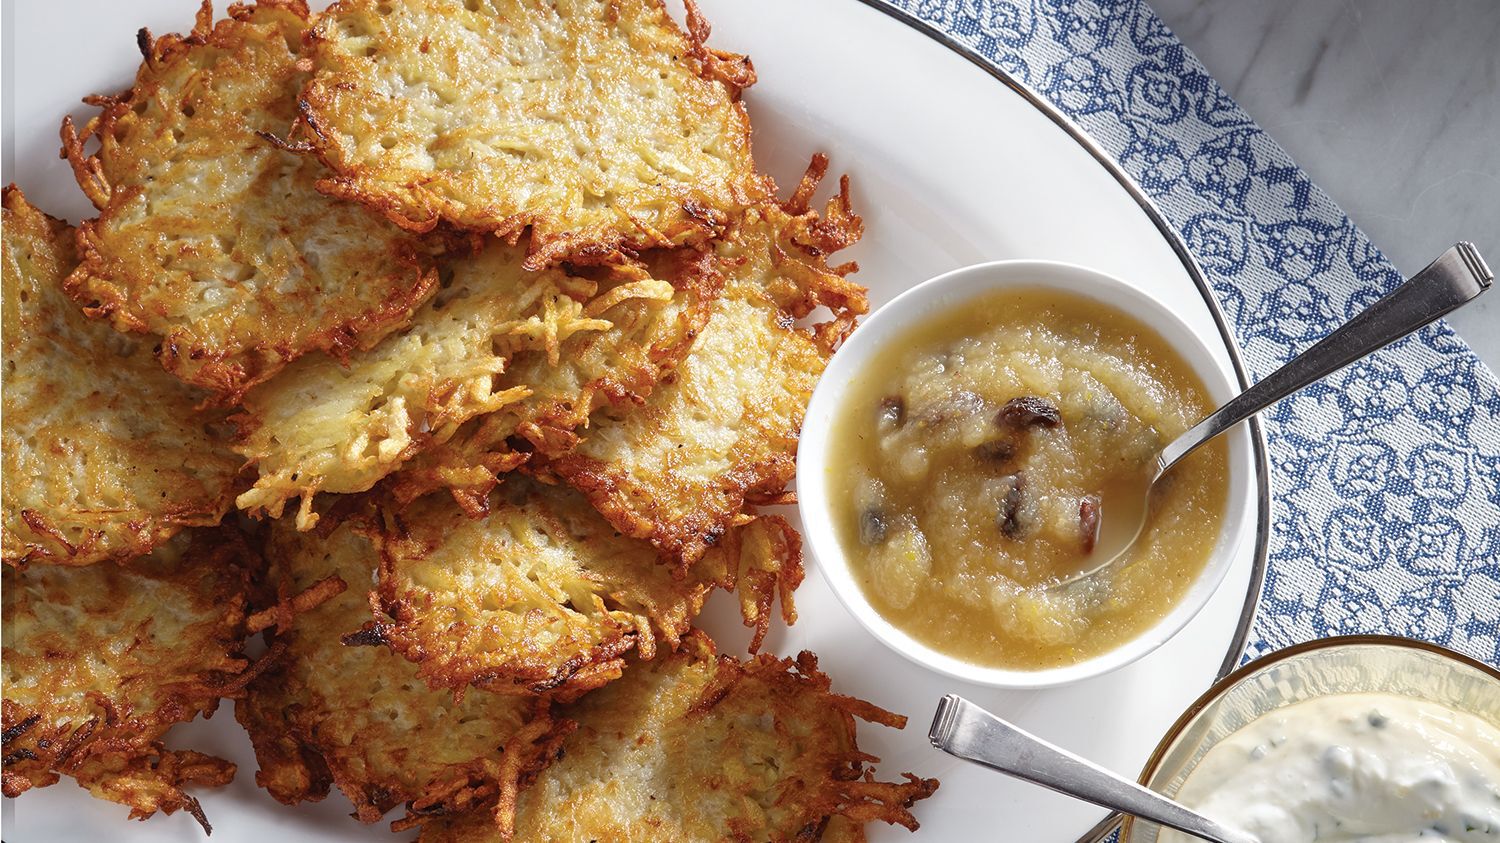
(963, 729)
(1457, 276)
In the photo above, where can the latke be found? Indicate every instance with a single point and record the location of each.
(596, 125)
(326, 426)
(101, 661)
(212, 236)
(541, 594)
(360, 717)
(105, 455)
(690, 746)
(722, 429)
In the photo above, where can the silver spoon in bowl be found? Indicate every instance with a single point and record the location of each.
(963, 729)
(1456, 277)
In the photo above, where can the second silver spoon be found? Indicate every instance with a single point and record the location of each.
(967, 731)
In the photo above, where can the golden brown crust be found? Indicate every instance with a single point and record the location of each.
(763, 559)
(105, 455)
(211, 234)
(541, 595)
(691, 746)
(721, 430)
(599, 126)
(101, 661)
(360, 717)
(786, 247)
(323, 426)
(154, 780)
(615, 367)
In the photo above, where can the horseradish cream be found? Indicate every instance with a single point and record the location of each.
(1354, 768)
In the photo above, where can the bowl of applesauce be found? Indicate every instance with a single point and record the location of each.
(965, 443)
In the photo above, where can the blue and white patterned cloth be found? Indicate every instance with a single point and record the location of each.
(1385, 477)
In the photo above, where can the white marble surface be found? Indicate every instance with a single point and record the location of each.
(1391, 106)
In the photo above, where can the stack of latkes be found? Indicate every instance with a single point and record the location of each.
(448, 349)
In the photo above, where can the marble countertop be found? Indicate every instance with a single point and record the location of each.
(1391, 106)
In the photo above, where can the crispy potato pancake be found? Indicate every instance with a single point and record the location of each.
(210, 234)
(360, 717)
(618, 366)
(722, 429)
(105, 455)
(327, 426)
(598, 125)
(101, 661)
(677, 469)
(541, 594)
(690, 746)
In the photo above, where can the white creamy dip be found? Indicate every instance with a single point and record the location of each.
(1354, 768)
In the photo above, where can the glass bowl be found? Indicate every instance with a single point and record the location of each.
(1344, 665)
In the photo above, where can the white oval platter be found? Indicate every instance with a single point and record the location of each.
(951, 164)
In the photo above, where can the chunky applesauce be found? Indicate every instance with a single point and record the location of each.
(976, 456)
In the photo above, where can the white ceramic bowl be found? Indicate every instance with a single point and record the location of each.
(940, 295)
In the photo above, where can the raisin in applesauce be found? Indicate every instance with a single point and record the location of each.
(972, 460)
